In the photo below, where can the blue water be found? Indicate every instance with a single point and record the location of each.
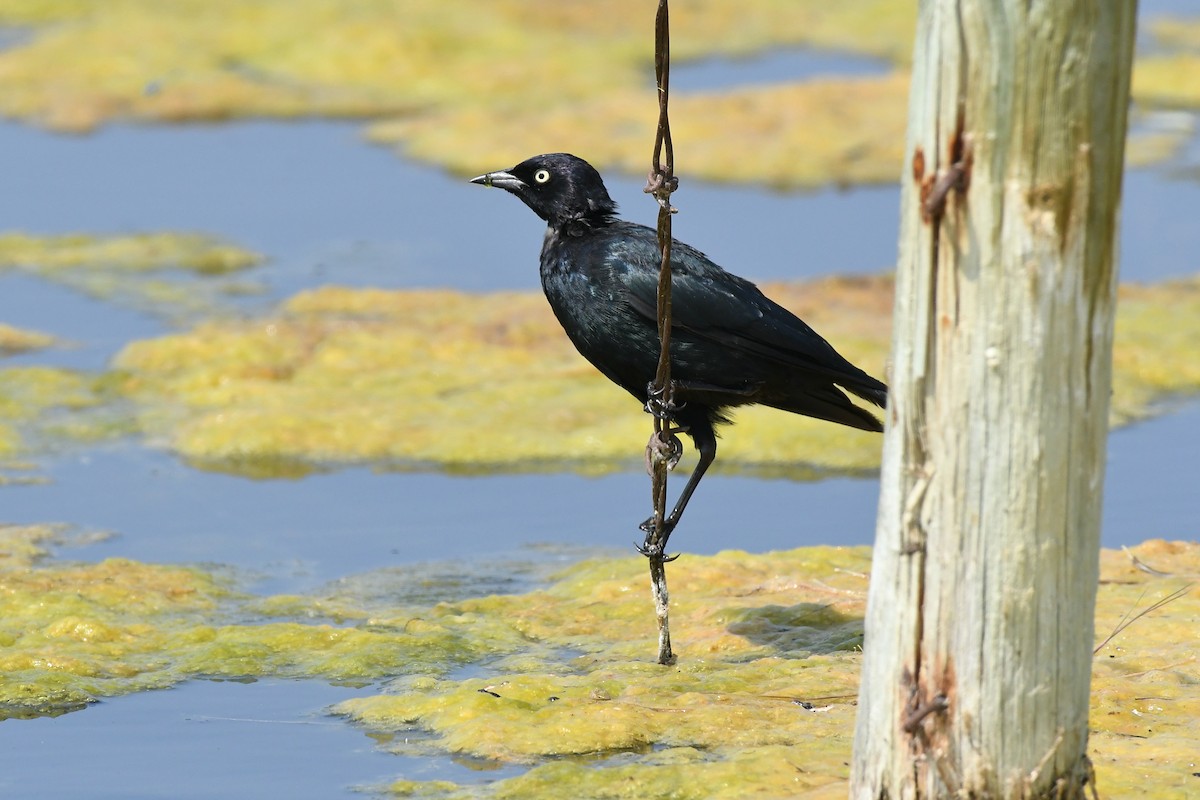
(726, 72)
(327, 208)
(117, 749)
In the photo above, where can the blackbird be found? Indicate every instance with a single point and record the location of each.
(731, 345)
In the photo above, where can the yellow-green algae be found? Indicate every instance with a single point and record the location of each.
(10, 443)
(761, 701)
(26, 393)
(828, 130)
(51, 255)
(431, 377)
(1181, 33)
(761, 708)
(134, 269)
(1157, 328)
(180, 276)
(483, 381)
(216, 59)
(73, 633)
(1171, 81)
(1145, 714)
(1171, 76)
(41, 407)
(20, 340)
(472, 77)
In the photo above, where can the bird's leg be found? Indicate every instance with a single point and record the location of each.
(706, 446)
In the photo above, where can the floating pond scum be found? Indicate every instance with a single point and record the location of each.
(457, 381)
(18, 340)
(487, 381)
(762, 700)
(173, 275)
(426, 75)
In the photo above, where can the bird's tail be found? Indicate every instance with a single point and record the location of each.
(831, 404)
(871, 390)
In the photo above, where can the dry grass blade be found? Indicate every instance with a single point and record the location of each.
(1126, 621)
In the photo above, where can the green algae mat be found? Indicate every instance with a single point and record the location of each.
(762, 701)
(487, 382)
(18, 340)
(438, 379)
(485, 82)
(181, 277)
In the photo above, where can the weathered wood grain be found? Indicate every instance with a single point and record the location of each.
(979, 625)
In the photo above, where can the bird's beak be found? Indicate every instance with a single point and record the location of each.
(502, 180)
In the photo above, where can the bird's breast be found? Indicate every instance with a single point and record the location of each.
(605, 331)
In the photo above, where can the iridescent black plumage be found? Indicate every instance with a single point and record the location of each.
(730, 344)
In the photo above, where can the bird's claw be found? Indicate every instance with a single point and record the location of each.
(654, 551)
(656, 540)
(660, 408)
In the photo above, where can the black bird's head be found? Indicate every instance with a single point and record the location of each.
(560, 188)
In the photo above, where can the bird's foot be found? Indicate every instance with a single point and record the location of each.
(648, 528)
(658, 405)
(655, 543)
(655, 551)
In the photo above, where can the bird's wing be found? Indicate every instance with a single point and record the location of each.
(710, 303)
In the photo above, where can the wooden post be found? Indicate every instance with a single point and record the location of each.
(979, 623)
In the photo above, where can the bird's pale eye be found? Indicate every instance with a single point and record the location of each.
(542, 175)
